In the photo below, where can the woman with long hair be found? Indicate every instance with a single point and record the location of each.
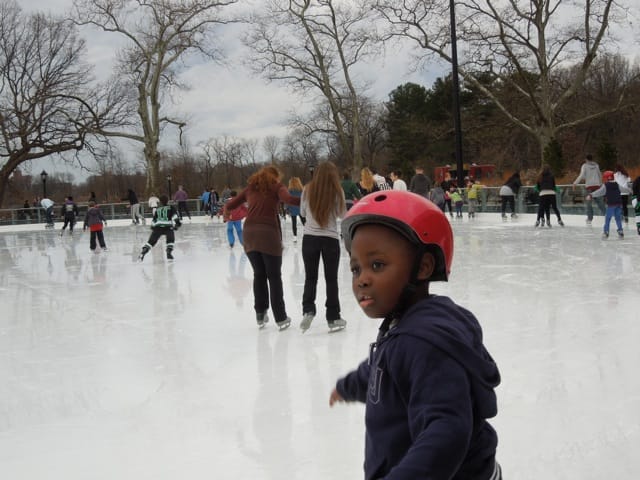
(295, 189)
(547, 200)
(322, 204)
(366, 184)
(508, 193)
(262, 238)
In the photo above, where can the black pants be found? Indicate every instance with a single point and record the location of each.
(508, 200)
(545, 204)
(314, 247)
(625, 207)
(294, 224)
(69, 220)
(182, 207)
(447, 204)
(92, 240)
(157, 232)
(267, 284)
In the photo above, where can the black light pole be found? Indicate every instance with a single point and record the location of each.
(169, 184)
(44, 176)
(456, 94)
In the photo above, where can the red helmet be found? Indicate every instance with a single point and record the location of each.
(607, 175)
(413, 216)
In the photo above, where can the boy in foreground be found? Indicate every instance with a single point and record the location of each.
(428, 384)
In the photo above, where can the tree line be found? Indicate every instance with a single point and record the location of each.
(540, 83)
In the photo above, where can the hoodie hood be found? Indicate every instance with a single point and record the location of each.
(456, 331)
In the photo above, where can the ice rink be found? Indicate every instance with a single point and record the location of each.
(111, 369)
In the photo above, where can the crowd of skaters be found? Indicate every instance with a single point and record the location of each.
(448, 195)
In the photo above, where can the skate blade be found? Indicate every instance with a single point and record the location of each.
(336, 329)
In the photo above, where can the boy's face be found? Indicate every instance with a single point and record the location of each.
(381, 262)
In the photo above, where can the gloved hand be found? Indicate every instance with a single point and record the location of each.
(634, 202)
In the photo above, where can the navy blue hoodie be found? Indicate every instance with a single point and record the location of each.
(428, 387)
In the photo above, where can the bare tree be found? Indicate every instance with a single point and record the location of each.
(271, 146)
(159, 35)
(315, 45)
(521, 46)
(48, 104)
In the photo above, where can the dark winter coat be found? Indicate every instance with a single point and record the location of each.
(611, 191)
(428, 387)
(93, 219)
(546, 182)
(69, 210)
(420, 184)
(514, 183)
(131, 197)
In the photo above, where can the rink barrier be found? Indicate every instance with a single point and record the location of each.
(570, 201)
(111, 211)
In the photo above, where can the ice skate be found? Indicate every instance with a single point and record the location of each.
(262, 319)
(514, 216)
(537, 223)
(588, 222)
(284, 324)
(336, 325)
(169, 255)
(605, 235)
(620, 234)
(549, 223)
(504, 217)
(561, 223)
(307, 318)
(638, 227)
(144, 251)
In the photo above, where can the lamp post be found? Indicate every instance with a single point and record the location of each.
(456, 94)
(169, 184)
(43, 177)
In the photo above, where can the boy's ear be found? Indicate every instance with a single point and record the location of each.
(427, 266)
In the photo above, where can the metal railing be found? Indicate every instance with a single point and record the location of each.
(570, 201)
(111, 211)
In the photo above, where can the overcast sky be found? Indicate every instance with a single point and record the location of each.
(230, 100)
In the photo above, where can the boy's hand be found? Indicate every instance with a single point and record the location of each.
(335, 397)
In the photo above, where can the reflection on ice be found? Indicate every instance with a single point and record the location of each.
(112, 368)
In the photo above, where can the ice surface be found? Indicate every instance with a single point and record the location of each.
(113, 369)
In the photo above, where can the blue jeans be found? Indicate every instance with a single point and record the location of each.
(237, 225)
(614, 211)
(48, 214)
(589, 204)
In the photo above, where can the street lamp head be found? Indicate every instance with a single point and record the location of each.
(169, 177)
(44, 175)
